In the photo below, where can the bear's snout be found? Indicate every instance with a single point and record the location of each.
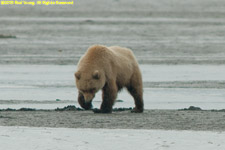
(88, 97)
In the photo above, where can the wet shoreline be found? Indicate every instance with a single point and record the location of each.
(203, 120)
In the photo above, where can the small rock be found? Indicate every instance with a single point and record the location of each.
(119, 100)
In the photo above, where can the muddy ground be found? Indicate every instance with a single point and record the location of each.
(151, 119)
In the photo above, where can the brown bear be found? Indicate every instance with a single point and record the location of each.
(109, 69)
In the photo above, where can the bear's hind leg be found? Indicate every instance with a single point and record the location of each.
(135, 88)
(83, 104)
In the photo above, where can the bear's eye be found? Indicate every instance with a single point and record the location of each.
(83, 91)
(88, 91)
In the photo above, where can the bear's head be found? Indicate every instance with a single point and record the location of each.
(89, 82)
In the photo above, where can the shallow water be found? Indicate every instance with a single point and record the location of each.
(38, 86)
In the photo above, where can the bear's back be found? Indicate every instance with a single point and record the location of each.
(123, 55)
(126, 63)
(116, 57)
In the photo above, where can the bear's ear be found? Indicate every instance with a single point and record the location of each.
(96, 74)
(77, 75)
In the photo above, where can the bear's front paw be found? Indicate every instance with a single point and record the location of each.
(87, 106)
(102, 111)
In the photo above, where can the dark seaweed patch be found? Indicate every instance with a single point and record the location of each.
(119, 100)
(69, 108)
(7, 36)
(26, 109)
(8, 109)
(66, 108)
(192, 108)
(122, 109)
(221, 110)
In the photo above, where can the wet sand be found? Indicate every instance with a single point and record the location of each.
(150, 119)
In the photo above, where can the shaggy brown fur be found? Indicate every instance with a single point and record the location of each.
(109, 69)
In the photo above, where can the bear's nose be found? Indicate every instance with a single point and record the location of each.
(88, 97)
